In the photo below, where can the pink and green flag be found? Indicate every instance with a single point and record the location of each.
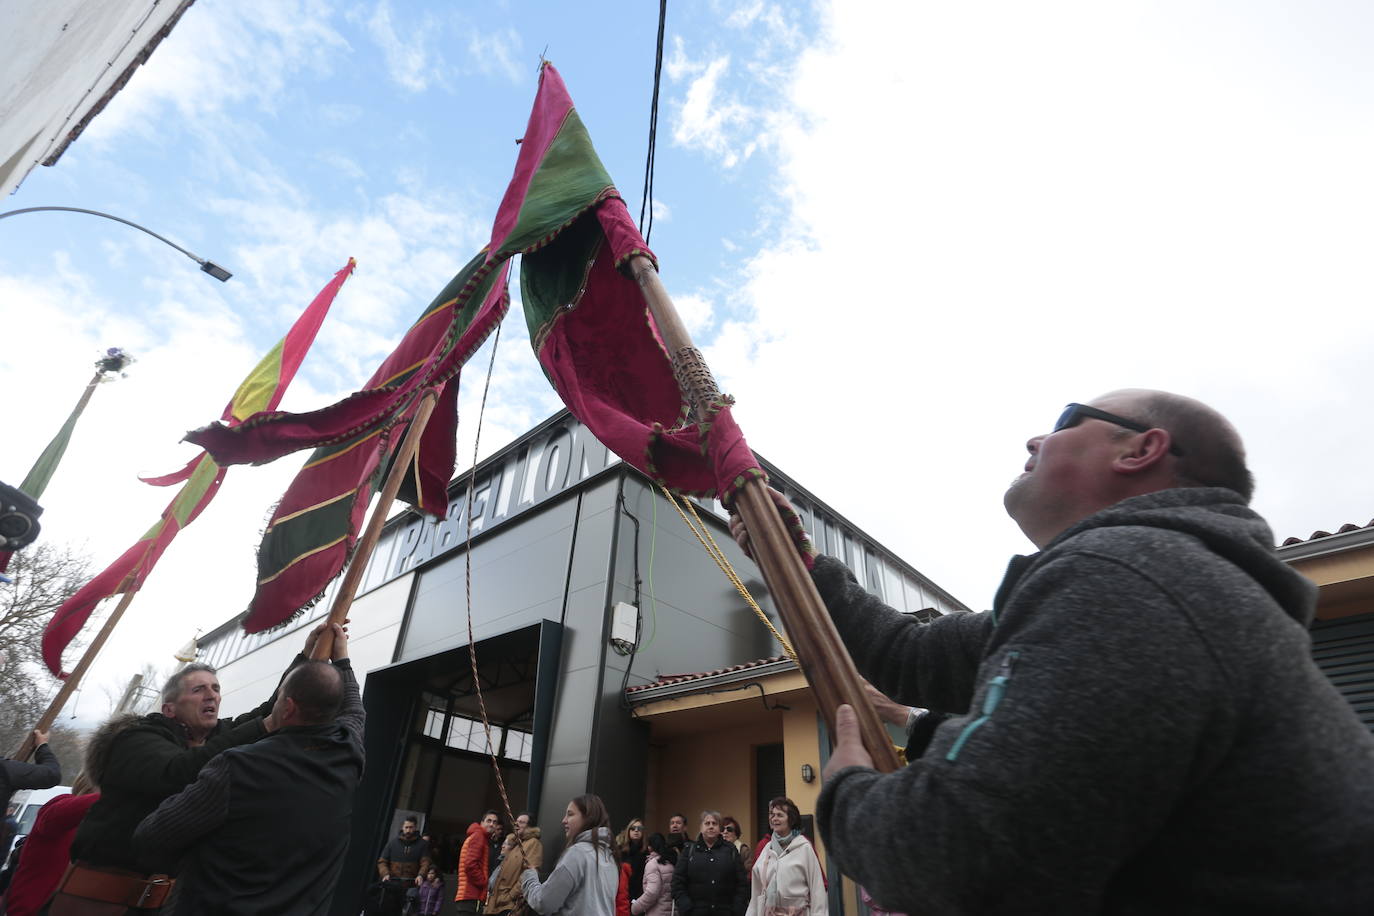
(315, 527)
(261, 390)
(588, 322)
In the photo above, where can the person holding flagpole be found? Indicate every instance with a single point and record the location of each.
(148, 759)
(1137, 725)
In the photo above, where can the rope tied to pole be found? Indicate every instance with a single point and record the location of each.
(703, 534)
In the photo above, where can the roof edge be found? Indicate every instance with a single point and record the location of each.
(642, 695)
(1340, 542)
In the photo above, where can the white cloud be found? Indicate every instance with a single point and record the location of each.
(728, 108)
(696, 312)
(497, 53)
(707, 121)
(991, 214)
(411, 60)
(219, 55)
(341, 165)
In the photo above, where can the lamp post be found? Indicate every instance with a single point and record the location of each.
(210, 267)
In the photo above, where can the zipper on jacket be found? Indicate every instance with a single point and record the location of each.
(996, 688)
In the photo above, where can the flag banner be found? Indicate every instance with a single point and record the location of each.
(128, 572)
(262, 389)
(315, 527)
(589, 325)
(435, 348)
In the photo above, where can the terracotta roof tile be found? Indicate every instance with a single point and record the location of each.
(1348, 526)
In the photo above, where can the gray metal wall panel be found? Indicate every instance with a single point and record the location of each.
(1344, 650)
(694, 620)
(594, 535)
(518, 576)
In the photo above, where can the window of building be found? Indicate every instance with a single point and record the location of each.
(518, 745)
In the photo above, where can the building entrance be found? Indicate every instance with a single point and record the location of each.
(448, 776)
(427, 747)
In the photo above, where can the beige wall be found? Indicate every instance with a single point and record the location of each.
(1345, 581)
(801, 744)
(713, 769)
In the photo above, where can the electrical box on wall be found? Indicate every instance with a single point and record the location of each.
(624, 626)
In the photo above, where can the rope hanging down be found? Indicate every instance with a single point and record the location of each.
(704, 536)
(647, 201)
(467, 551)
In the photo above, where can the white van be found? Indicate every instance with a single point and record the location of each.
(29, 802)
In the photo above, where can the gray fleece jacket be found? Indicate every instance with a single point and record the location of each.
(583, 883)
(1141, 730)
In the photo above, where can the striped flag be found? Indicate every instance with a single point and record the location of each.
(315, 527)
(261, 390)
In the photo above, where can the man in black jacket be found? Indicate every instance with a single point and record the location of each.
(43, 773)
(264, 826)
(710, 879)
(141, 760)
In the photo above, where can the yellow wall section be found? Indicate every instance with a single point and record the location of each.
(713, 770)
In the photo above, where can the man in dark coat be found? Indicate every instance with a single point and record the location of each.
(1139, 725)
(43, 773)
(402, 865)
(710, 879)
(141, 761)
(264, 827)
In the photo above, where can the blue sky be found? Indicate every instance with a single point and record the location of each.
(904, 234)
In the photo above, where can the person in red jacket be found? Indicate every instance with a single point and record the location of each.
(622, 894)
(474, 864)
(46, 850)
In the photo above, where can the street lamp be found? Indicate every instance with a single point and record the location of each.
(210, 267)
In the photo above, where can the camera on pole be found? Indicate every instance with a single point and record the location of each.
(18, 518)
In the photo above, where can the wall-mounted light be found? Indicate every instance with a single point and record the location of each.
(808, 774)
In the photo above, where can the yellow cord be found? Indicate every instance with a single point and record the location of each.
(704, 536)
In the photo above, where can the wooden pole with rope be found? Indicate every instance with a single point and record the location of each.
(73, 680)
(353, 576)
(348, 588)
(820, 653)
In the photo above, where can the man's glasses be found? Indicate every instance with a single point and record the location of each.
(1076, 413)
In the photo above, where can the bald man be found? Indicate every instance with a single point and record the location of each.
(1139, 726)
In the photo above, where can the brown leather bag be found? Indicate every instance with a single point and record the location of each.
(88, 891)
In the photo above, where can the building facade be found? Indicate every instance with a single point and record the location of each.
(1342, 566)
(572, 554)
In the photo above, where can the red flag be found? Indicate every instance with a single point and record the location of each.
(315, 527)
(262, 389)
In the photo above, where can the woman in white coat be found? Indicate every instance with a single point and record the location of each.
(786, 879)
(585, 880)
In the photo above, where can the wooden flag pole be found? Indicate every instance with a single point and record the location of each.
(822, 656)
(74, 679)
(348, 588)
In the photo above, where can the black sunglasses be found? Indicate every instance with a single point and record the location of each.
(1076, 413)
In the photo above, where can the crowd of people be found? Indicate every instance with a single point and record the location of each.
(181, 811)
(633, 873)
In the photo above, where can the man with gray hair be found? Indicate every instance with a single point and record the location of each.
(146, 759)
(1138, 725)
(264, 827)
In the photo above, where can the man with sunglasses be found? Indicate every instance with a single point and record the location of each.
(1138, 724)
